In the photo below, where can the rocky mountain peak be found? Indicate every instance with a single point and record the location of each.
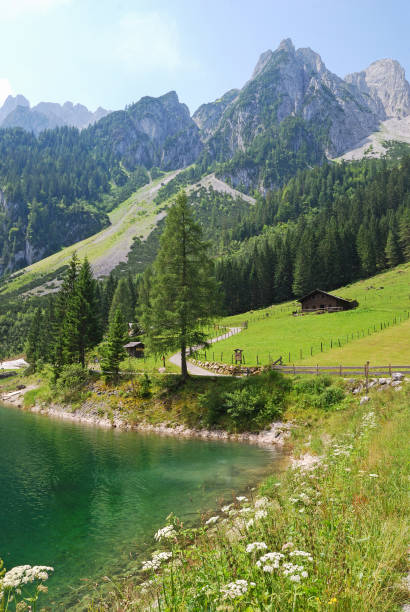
(384, 81)
(286, 45)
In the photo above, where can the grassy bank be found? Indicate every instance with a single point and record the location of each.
(384, 304)
(330, 538)
(230, 404)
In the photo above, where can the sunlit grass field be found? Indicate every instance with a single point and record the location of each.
(378, 330)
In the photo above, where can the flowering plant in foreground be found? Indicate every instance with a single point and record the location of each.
(15, 584)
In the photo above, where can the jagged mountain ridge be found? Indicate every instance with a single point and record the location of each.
(291, 114)
(17, 112)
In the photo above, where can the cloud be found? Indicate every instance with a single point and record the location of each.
(5, 90)
(11, 9)
(147, 42)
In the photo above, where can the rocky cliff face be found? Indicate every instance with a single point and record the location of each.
(152, 132)
(384, 83)
(17, 112)
(208, 115)
(289, 82)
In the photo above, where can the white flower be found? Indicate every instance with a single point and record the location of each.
(260, 514)
(273, 558)
(245, 510)
(269, 568)
(373, 475)
(227, 508)
(212, 520)
(23, 574)
(165, 532)
(287, 545)
(157, 559)
(256, 546)
(261, 502)
(290, 569)
(235, 589)
(250, 523)
(294, 578)
(241, 498)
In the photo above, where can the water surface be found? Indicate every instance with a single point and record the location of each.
(87, 500)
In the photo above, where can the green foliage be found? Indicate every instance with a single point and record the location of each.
(112, 349)
(318, 392)
(182, 293)
(72, 379)
(327, 227)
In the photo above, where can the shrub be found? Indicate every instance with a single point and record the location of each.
(72, 379)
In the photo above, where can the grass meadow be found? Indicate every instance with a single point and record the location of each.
(378, 330)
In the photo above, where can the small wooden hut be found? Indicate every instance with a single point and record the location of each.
(321, 301)
(135, 349)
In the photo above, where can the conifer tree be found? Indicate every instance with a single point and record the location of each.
(392, 250)
(34, 346)
(183, 290)
(113, 351)
(123, 300)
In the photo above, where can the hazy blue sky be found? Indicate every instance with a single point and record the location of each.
(112, 52)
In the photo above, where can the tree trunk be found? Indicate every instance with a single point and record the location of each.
(184, 369)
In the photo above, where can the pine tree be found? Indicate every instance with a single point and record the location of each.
(34, 346)
(113, 351)
(123, 299)
(392, 250)
(183, 290)
(404, 233)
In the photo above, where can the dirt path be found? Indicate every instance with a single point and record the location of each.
(196, 370)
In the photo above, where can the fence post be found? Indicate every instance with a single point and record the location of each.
(289, 357)
(366, 372)
(340, 370)
(317, 369)
(294, 371)
(389, 369)
(321, 347)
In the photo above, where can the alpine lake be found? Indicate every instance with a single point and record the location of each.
(88, 500)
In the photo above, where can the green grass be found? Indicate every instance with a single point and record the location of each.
(383, 309)
(349, 515)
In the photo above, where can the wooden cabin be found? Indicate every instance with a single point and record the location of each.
(135, 349)
(320, 301)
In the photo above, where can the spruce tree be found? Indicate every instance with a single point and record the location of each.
(34, 345)
(113, 351)
(123, 300)
(392, 250)
(183, 290)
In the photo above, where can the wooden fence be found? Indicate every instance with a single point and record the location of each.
(341, 370)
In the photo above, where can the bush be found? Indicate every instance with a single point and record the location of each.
(212, 406)
(72, 379)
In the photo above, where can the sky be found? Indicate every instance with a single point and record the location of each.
(110, 53)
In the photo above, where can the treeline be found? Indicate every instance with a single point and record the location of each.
(326, 228)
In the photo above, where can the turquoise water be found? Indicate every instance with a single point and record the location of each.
(87, 501)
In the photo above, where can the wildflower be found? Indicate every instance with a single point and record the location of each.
(245, 510)
(212, 520)
(287, 545)
(273, 559)
(23, 574)
(256, 546)
(294, 578)
(242, 498)
(260, 514)
(236, 589)
(301, 510)
(269, 569)
(373, 475)
(157, 559)
(332, 601)
(165, 533)
(261, 502)
(250, 523)
(227, 508)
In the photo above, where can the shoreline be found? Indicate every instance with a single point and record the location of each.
(276, 435)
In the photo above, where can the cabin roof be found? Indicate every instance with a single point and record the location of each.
(134, 345)
(302, 299)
